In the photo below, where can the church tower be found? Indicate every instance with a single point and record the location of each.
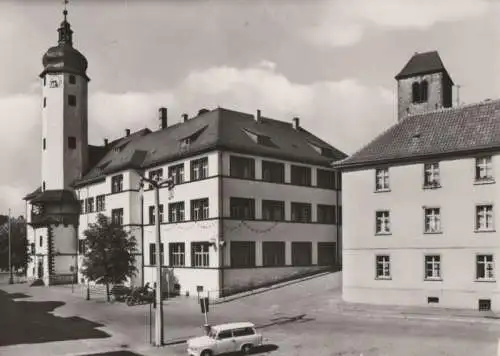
(64, 112)
(55, 209)
(423, 85)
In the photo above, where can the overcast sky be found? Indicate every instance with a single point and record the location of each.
(332, 63)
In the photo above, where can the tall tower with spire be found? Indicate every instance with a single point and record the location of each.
(54, 218)
(64, 112)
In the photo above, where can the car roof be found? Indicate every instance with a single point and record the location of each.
(229, 326)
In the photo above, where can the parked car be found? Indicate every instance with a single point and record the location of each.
(225, 338)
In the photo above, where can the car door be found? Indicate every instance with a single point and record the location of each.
(225, 342)
(243, 336)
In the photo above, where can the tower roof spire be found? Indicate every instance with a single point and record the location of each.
(65, 32)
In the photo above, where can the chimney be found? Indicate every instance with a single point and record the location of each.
(185, 117)
(162, 117)
(105, 142)
(296, 123)
(127, 132)
(258, 118)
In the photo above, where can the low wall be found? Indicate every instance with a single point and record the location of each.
(238, 280)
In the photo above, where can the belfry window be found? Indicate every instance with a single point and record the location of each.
(71, 142)
(72, 100)
(72, 79)
(420, 92)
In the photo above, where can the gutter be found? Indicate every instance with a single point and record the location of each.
(220, 223)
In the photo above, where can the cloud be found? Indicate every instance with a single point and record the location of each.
(345, 113)
(343, 23)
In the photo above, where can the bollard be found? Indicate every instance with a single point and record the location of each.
(88, 293)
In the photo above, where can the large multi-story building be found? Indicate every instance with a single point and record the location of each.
(419, 201)
(255, 200)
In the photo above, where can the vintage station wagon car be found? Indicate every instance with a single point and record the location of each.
(225, 338)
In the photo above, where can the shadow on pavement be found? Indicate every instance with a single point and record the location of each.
(29, 322)
(286, 320)
(115, 353)
(264, 349)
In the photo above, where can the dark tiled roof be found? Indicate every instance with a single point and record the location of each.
(57, 195)
(215, 129)
(33, 194)
(422, 63)
(453, 131)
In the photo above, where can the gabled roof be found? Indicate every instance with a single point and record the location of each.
(446, 132)
(216, 129)
(422, 63)
(57, 195)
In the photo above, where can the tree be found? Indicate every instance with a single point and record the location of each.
(110, 253)
(19, 243)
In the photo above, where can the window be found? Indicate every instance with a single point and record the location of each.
(90, 205)
(200, 254)
(152, 254)
(432, 220)
(199, 168)
(484, 169)
(326, 179)
(242, 167)
(301, 212)
(72, 142)
(177, 173)
(71, 100)
(152, 214)
(420, 92)
(176, 212)
(177, 254)
(433, 267)
(431, 175)
(432, 300)
(300, 175)
(326, 214)
(32, 248)
(82, 206)
(117, 216)
(100, 203)
(224, 334)
(382, 179)
(273, 172)
(43, 185)
(301, 253)
(484, 218)
(273, 253)
(242, 208)
(82, 247)
(41, 241)
(117, 183)
(484, 268)
(326, 253)
(156, 174)
(72, 79)
(243, 332)
(339, 215)
(242, 254)
(44, 143)
(383, 267)
(383, 223)
(273, 210)
(44, 102)
(199, 209)
(484, 304)
(44, 81)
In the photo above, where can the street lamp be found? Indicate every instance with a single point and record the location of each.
(156, 182)
(11, 278)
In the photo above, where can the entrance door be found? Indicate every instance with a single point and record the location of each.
(40, 269)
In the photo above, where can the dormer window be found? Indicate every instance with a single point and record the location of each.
(419, 92)
(260, 138)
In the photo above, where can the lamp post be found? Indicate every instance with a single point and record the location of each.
(11, 277)
(157, 183)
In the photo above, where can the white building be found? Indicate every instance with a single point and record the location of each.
(255, 199)
(420, 200)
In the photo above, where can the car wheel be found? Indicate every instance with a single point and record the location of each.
(245, 349)
(206, 353)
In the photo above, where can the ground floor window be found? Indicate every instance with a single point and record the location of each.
(383, 267)
(301, 253)
(177, 254)
(152, 254)
(273, 253)
(326, 253)
(200, 254)
(242, 253)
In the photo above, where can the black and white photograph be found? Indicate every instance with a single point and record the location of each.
(255, 177)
